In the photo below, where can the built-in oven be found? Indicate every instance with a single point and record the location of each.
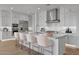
(14, 28)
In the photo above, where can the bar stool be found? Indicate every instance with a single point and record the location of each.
(32, 41)
(45, 44)
(16, 35)
(22, 39)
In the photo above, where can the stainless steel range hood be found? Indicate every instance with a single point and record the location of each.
(53, 21)
(53, 15)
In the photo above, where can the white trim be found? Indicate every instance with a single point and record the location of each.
(8, 39)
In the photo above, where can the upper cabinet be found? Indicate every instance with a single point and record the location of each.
(6, 17)
(42, 19)
(17, 16)
(69, 17)
(10, 17)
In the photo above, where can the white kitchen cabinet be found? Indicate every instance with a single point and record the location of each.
(9, 17)
(0, 35)
(6, 18)
(42, 19)
(74, 40)
(6, 35)
(58, 45)
(34, 22)
(61, 45)
(30, 21)
(67, 41)
(17, 16)
(15, 21)
(62, 17)
(69, 17)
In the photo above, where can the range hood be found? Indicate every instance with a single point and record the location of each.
(53, 16)
(53, 21)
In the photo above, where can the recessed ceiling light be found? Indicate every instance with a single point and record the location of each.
(11, 8)
(38, 8)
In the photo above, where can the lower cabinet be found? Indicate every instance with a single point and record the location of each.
(57, 49)
(73, 40)
(46, 52)
(61, 45)
(6, 35)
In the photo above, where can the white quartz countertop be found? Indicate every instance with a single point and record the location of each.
(62, 34)
(59, 35)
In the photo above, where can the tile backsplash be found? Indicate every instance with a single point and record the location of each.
(61, 28)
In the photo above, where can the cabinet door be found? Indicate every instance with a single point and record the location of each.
(23, 25)
(61, 45)
(74, 40)
(15, 18)
(42, 19)
(62, 16)
(6, 18)
(69, 17)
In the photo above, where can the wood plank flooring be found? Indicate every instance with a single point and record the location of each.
(10, 48)
(69, 50)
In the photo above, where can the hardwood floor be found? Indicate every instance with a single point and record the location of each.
(69, 50)
(10, 48)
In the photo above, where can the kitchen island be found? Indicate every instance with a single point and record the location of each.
(59, 43)
(58, 48)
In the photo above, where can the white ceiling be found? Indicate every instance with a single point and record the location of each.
(30, 8)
